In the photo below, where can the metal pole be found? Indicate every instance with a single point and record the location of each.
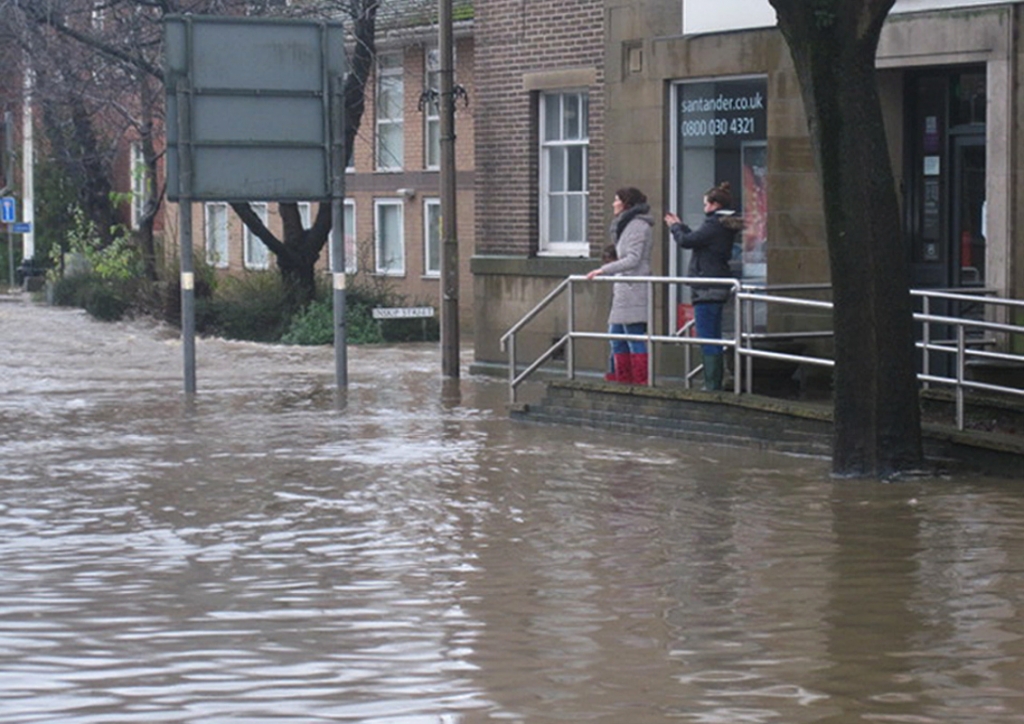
(650, 330)
(338, 159)
(749, 310)
(961, 353)
(9, 184)
(450, 243)
(737, 360)
(10, 257)
(570, 356)
(188, 286)
(926, 338)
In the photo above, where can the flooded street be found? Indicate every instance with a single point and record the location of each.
(269, 553)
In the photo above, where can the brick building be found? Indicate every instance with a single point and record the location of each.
(541, 181)
(684, 95)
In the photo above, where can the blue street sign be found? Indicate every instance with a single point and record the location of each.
(24, 227)
(9, 209)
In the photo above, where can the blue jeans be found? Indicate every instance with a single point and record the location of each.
(633, 346)
(708, 318)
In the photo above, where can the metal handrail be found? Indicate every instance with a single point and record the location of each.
(744, 338)
(508, 340)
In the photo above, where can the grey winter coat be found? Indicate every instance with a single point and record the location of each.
(633, 246)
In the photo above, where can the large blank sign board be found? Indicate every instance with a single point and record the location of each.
(248, 107)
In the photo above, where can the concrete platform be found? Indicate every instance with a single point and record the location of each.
(784, 425)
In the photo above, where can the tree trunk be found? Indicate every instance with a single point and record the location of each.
(877, 417)
(299, 249)
(92, 172)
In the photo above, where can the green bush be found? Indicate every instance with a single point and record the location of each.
(255, 306)
(313, 325)
(71, 291)
(104, 299)
(109, 281)
(360, 326)
(107, 302)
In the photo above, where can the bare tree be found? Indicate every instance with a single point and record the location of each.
(877, 417)
(127, 36)
(299, 248)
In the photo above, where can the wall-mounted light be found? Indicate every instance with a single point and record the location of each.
(409, 194)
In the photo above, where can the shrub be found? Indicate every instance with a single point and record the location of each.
(255, 306)
(360, 325)
(313, 325)
(105, 280)
(71, 291)
(107, 302)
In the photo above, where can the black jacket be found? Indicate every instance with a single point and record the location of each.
(711, 245)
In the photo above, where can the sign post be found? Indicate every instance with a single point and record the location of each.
(8, 215)
(252, 116)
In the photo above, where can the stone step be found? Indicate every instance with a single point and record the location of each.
(647, 412)
(993, 445)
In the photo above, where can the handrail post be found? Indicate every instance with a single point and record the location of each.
(649, 341)
(749, 344)
(570, 352)
(512, 368)
(926, 336)
(687, 356)
(961, 349)
(737, 325)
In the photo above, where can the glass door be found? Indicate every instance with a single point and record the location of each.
(969, 230)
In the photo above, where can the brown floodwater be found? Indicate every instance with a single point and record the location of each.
(406, 554)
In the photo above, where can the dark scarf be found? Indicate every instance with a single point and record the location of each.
(628, 215)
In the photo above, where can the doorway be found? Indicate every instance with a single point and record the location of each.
(968, 209)
(944, 191)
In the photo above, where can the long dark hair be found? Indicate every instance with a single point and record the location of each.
(630, 196)
(634, 203)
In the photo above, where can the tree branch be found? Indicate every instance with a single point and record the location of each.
(44, 17)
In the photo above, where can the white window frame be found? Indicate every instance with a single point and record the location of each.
(139, 187)
(430, 204)
(553, 241)
(305, 214)
(256, 254)
(351, 261)
(390, 71)
(216, 233)
(382, 268)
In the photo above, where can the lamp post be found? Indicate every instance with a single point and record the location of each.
(449, 237)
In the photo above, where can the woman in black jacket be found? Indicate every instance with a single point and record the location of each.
(711, 247)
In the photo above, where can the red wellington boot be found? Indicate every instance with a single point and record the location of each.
(623, 368)
(639, 362)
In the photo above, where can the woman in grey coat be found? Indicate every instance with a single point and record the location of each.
(634, 240)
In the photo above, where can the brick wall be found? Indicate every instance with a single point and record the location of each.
(512, 39)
